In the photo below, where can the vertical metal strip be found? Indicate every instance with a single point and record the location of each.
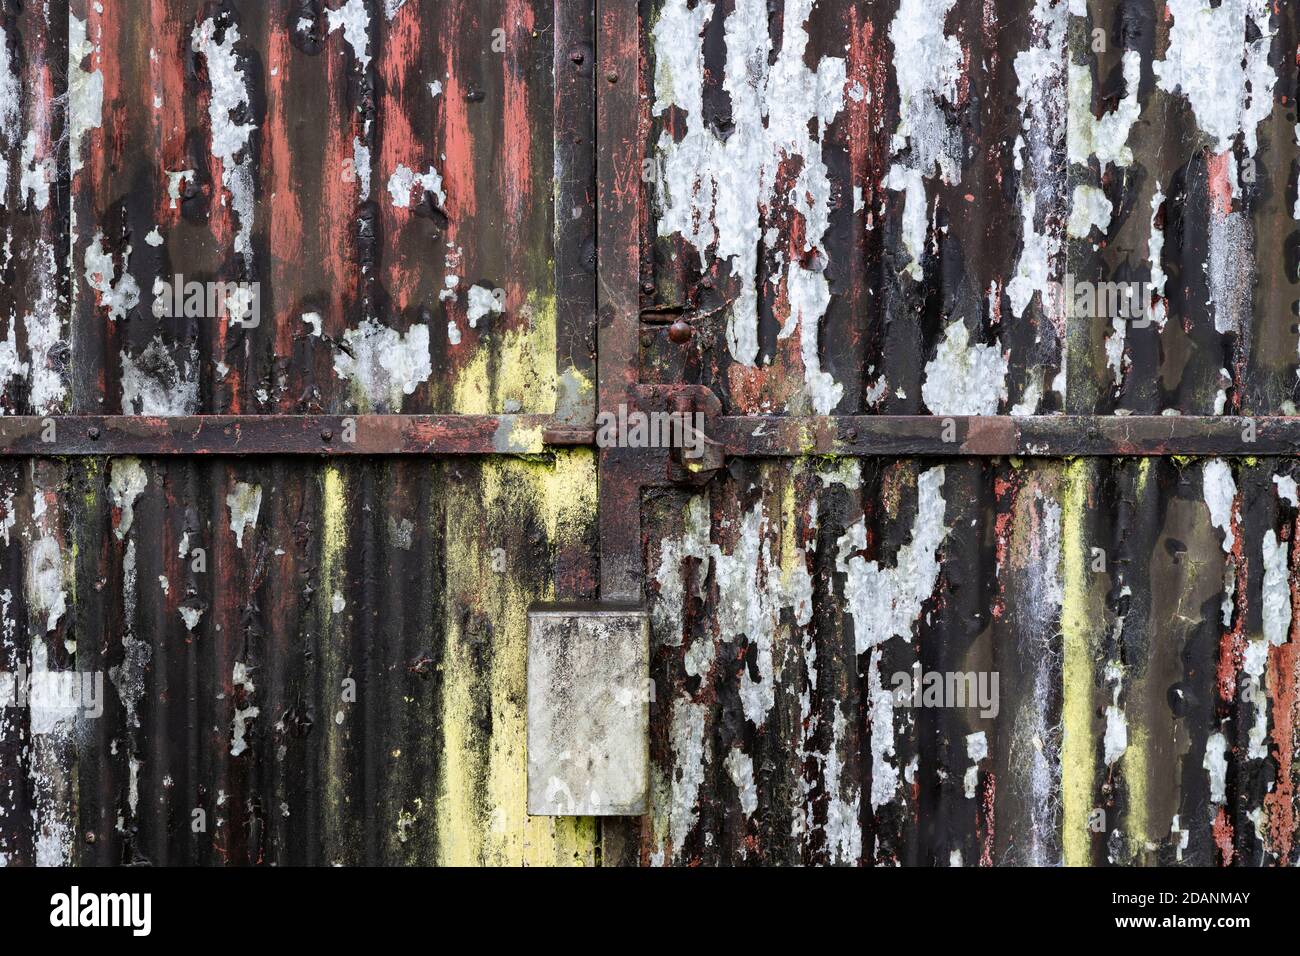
(618, 240)
(575, 213)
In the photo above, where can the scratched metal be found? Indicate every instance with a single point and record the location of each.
(874, 207)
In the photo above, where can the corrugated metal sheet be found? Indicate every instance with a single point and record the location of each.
(812, 208)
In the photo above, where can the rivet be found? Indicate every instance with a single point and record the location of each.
(326, 435)
(680, 332)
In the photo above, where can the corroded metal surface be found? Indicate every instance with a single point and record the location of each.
(876, 207)
(302, 664)
(1139, 614)
(847, 234)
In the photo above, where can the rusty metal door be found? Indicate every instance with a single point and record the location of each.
(296, 539)
(992, 310)
(988, 308)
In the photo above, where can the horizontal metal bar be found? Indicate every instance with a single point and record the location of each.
(30, 436)
(1044, 436)
(1059, 436)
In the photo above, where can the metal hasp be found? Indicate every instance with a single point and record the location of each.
(588, 710)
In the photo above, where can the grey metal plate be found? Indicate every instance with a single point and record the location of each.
(588, 711)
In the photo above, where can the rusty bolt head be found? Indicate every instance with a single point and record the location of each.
(648, 287)
(326, 435)
(612, 76)
(93, 432)
(90, 837)
(680, 332)
(577, 56)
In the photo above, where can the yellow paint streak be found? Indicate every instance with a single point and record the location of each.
(1077, 745)
(493, 577)
(1135, 767)
(333, 544)
(1134, 761)
(518, 366)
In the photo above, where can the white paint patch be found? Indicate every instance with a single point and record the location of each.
(1037, 251)
(127, 482)
(1287, 490)
(338, 603)
(405, 181)
(37, 175)
(482, 303)
(153, 384)
(239, 729)
(1216, 762)
(117, 294)
(1225, 77)
(1220, 493)
(963, 379)
(977, 748)
(741, 770)
(1090, 209)
(384, 364)
(85, 89)
(670, 592)
(1276, 607)
(392, 6)
(354, 20)
(927, 63)
(46, 591)
(1155, 256)
(1105, 138)
(843, 800)
(1115, 741)
(361, 165)
(10, 107)
(176, 181)
(714, 193)
(313, 320)
(690, 754)
(885, 602)
(191, 616)
(880, 713)
(153, 238)
(229, 93)
(1115, 349)
(245, 503)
